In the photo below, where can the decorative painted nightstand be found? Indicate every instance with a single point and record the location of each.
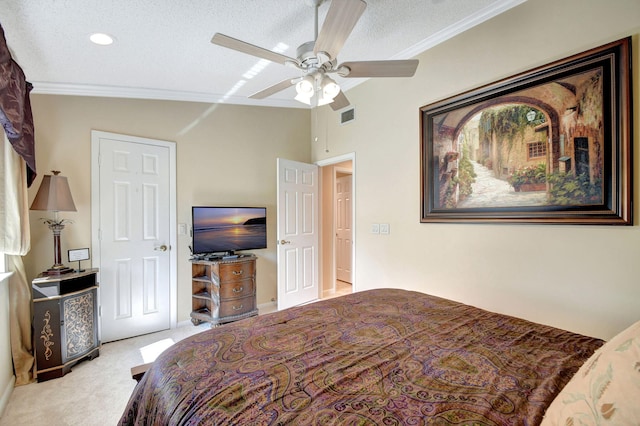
(65, 321)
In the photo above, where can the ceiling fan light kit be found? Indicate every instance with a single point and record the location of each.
(317, 86)
(318, 58)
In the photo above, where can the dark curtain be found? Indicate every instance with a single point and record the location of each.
(15, 108)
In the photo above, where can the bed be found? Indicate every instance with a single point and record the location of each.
(377, 357)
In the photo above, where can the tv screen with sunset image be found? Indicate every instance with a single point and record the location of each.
(228, 229)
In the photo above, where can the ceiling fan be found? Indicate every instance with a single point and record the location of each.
(317, 59)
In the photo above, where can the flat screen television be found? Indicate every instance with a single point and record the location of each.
(225, 230)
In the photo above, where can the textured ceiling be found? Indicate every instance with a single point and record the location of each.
(163, 49)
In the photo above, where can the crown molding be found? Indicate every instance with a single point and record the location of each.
(445, 34)
(45, 88)
(451, 31)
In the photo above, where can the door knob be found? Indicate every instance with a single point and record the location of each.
(283, 242)
(161, 248)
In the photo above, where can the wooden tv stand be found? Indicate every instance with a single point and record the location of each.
(223, 290)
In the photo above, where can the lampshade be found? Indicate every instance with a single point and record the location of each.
(306, 87)
(322, 99)
(303, 99)
(54, 194)
(330, 88)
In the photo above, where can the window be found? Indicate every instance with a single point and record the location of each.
(537, 149)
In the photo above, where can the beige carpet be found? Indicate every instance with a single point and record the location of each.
(93, 393)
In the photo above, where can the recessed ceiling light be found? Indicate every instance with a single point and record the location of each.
(101, 38)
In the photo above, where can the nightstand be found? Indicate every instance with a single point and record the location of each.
(65, 321)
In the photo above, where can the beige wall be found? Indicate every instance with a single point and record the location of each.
(581, 278)
(7, 378)
(226, 155)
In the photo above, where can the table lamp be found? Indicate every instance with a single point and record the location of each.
(54, 195)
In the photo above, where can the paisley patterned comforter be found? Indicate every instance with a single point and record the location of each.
(378, 357)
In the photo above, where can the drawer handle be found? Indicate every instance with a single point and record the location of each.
(237, 308)
(238, 272)
(238, 289)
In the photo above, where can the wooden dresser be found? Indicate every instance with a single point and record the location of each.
(223, 290)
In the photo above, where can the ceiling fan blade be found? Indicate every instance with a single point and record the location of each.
(339, 102)
(250, 49)
(341, 18)
(394, 68)
(284, 84)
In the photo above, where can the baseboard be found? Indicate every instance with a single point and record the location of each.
(6, 394)
(265, 308)
(184, 323)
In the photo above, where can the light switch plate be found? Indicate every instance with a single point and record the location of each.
(182, 229)
(384, 228)
(375, 228)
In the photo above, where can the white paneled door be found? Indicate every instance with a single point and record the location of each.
(344, 228)
(297, 233)
(133, 235)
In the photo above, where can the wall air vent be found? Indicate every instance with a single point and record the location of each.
(347, 116)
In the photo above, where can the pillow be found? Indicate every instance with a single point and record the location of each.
(606, 389)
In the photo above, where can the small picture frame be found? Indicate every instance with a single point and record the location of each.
(77, 255)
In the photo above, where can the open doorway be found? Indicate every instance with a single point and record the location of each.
(337, 239)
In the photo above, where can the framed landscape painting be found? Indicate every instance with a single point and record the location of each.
(551, 145)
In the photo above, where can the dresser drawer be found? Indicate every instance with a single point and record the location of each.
(237, 306)
(236, 289)
(236, 271)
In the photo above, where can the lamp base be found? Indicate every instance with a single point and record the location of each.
(58, 270)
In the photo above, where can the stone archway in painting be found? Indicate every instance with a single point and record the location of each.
(545, 120)
(471, 140)
(557, 121)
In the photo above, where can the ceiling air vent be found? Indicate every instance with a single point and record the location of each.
(347, 116)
